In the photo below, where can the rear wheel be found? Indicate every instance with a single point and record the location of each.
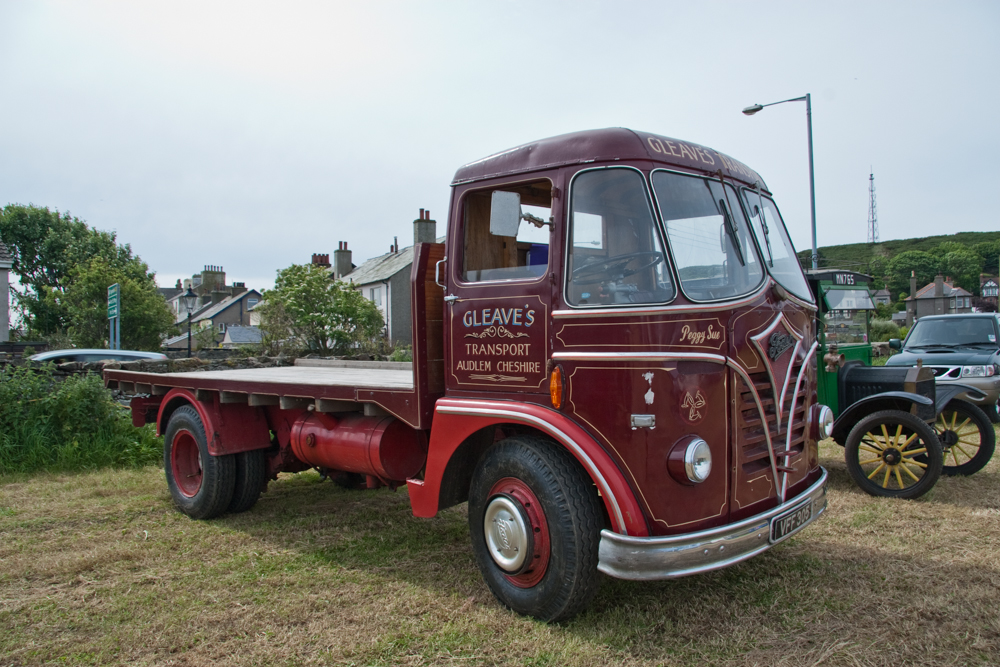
(967, 438)
(201, 484)
(535, 522)
(250, 481)
(893, 454)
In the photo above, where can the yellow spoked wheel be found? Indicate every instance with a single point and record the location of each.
(967, 438)
(894, 454)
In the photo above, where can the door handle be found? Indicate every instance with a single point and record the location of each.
(450, 298)
(437, 273)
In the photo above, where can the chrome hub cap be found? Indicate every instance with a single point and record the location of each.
(508, 533)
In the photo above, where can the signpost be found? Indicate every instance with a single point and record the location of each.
(115, 316)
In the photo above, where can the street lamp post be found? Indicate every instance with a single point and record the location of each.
(189, 300)
(749, 111)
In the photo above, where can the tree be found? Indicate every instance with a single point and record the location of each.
(322, 315)
(924, 264)
(883, 311)
(963, 266)
(990, 252)
(50, 250)
(145, 315)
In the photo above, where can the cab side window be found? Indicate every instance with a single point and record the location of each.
(489, 257)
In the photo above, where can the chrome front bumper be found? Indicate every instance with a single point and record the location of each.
(648, 558)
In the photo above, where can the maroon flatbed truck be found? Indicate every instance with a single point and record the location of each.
(614, 364)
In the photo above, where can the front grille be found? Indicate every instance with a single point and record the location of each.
(752, 445)
(949, 372)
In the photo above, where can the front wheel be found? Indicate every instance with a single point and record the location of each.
(967, 437)
(535, 522)
(893, 454)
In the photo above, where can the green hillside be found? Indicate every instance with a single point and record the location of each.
(960, 257)
(857, 256)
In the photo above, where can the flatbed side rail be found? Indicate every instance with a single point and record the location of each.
(290, 388)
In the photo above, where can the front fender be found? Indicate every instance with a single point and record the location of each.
(457, 419)
(947, 391)
(887, 400)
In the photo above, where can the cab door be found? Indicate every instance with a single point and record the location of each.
(497, 310)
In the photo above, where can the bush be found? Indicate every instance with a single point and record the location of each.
(401, 353)
(883, 330)
(67, 425)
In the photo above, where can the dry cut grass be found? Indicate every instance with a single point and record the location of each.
(99, 568)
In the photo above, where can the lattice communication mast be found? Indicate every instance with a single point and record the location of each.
(872, 211)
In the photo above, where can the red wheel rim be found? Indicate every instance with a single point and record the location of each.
(528, 501)
(185, 463)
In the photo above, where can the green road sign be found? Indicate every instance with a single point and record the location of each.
(114, 301)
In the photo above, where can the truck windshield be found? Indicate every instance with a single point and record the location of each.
(708, 236)
(615, 253)
(772, 238)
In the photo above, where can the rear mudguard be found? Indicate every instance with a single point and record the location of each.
(887, 400)
(229, 428)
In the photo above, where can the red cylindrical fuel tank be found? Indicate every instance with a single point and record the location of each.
(381, 446)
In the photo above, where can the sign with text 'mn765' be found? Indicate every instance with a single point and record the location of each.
(114, 301)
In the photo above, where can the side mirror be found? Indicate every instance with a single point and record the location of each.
(895, 344)
(505, 213)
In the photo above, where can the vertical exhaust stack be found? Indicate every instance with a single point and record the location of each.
(424, 229)
(342, 260)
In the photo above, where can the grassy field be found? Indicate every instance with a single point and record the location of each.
(98, 568)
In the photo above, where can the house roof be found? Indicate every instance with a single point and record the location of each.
(881, 293)
(225, 304)
(176, 341)
(182, 317)
(382, 267)
(243, 335)
(6, 260)
(169, 292)
(927, 292)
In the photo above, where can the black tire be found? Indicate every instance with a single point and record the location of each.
(902, 446)
(527, 481)
(201, 484)
(967, 437)
(250, 481)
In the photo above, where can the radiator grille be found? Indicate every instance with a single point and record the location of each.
(753, 454)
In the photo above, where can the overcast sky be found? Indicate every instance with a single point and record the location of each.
(251, 135)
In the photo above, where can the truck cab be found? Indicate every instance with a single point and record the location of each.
(644, 293)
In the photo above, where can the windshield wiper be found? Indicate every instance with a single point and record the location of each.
(763, 224)
(728, 221)
(731, 227)
(920, 347)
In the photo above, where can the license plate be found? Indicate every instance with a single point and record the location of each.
(791, 521)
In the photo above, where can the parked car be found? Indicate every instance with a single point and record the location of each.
(62, 356)
(960, 349)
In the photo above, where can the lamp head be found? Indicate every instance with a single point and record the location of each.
(189, 300)
(749, 111)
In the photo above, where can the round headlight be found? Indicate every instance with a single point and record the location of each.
(825, 422)
(697, 460)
